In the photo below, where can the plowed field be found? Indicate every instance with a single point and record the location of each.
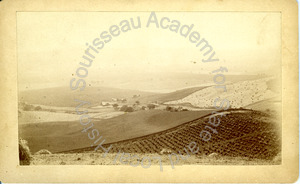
(242, 133)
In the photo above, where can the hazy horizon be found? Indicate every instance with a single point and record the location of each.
(49, 52)
(158, 85)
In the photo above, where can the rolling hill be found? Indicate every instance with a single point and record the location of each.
(165, 97)
(239, 94)
(64, 96)
(58, 136)
(63, 136)
(242, 134)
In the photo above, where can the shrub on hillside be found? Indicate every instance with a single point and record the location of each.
(174, 109)
(24, 152)
(151, 106)
(38, 108)
(123, 108)
(115, 106)
(129, 109)
(28, 107)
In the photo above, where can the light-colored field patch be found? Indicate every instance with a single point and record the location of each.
(55, 114)
(239, 94)
(44, 116)
(106, 115)
(73, 109)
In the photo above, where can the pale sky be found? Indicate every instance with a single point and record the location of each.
(51, 44)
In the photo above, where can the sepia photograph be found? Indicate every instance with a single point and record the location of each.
(149, 91)
(142, 88)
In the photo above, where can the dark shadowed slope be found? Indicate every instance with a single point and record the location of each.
(62, 136)
(242, 133)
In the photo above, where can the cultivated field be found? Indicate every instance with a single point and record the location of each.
(242, 133)
(239, 94)
(244, 137)
(145, 123)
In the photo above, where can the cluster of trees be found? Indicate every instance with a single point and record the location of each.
(136, 106)
(174, 109)
(136, 96)
(126, 108)
(151, 106)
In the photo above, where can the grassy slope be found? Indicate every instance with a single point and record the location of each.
(270, 104)
(62, 136)
(165, 97)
